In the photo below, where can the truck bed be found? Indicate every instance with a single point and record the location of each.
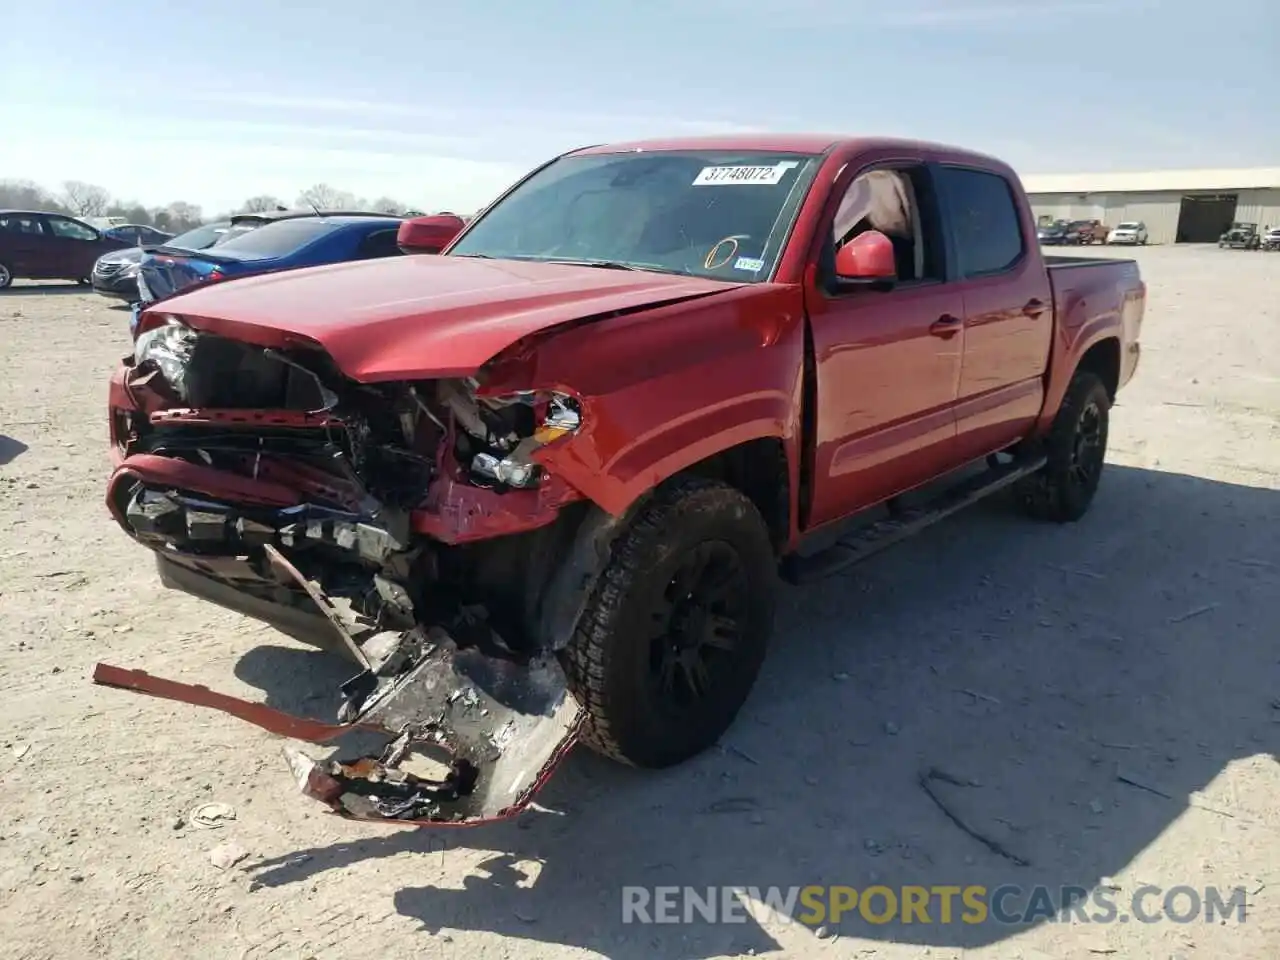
(1091, 292)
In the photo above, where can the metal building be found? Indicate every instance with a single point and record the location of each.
(1177, 206)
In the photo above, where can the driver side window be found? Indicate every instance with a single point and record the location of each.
(895, 202)
(69, 229)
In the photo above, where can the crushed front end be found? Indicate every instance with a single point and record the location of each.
(407, 526)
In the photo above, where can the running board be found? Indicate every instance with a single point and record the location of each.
(904, 523)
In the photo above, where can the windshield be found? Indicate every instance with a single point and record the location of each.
(200, 237)
(1127, 226)
(712, 214)
(276, 239)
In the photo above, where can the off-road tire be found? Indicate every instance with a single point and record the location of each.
(608, 658)
(1055, 492)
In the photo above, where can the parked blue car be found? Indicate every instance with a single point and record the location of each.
(288, 243)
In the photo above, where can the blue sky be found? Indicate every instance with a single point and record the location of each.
(442, 105)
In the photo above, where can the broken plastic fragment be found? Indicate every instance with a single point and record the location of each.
(472, 735)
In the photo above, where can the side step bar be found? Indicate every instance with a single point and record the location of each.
(903, 523)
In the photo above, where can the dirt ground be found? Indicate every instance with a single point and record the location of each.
(1041, 662)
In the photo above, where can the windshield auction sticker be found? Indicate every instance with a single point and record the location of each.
(725, 176)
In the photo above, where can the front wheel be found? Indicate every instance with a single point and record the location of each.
(1064, 488)
(675, 632)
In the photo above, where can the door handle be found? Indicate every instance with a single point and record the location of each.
(945, 326)
(1033, 308)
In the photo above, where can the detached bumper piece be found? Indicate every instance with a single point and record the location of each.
(473, 731)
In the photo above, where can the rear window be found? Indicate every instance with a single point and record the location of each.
(277, 239)
(200, 237)
(984, 220)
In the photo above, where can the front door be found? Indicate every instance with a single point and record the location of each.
(76, 246)
(887, 362)
(1008, 311)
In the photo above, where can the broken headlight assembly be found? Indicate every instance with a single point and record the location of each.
(169, 347)
(500, 434)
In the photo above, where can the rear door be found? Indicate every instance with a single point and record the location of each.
(1008, 310)
(24, 245)
(75, 247)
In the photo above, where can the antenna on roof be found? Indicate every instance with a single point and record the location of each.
(316, 209)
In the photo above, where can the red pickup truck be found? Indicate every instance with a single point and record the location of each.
(540, 487)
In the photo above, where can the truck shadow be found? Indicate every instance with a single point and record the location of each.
(1034, 662)
(11, 449)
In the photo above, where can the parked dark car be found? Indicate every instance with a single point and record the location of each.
(35, 245)
(1053, 234)
(138, 234)
(115, 275)
(1241, 236)
(288, 243)
(1084, 232)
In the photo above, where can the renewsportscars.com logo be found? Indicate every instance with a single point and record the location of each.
(939, 904)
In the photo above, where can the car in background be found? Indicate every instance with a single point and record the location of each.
(35, 245)
(1271, 238)
(1054, 233)
(105, 223)
(115, 275)
(1084, 232)
(1241, 236)
(1129, 232)
(138, 234)
(288, 243)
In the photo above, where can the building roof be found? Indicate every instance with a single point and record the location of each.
(1252, 178)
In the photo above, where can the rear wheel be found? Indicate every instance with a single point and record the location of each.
(1064, 488)
(6, 276)
(675, 632)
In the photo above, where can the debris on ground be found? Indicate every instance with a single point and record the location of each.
(1194, 613)
(210, 815)
(993, 845)
(979, 696)
(732, 805)
(738, 751)
(227, 855)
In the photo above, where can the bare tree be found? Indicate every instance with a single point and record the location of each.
(387, 205)
(85, 199)
(260, 204)
(182, 216)
(324, 197)
(136, 213)
(26, 195)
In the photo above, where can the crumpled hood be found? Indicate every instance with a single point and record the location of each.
(421, 316)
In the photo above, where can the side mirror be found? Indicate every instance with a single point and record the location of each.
(428, 234)
(866, 260)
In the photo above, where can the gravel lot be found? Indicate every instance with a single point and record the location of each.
(1037, 661)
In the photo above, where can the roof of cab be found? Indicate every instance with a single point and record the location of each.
(811, 143)
(271, 216)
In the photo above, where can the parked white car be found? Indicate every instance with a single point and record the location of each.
(1131, 231)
